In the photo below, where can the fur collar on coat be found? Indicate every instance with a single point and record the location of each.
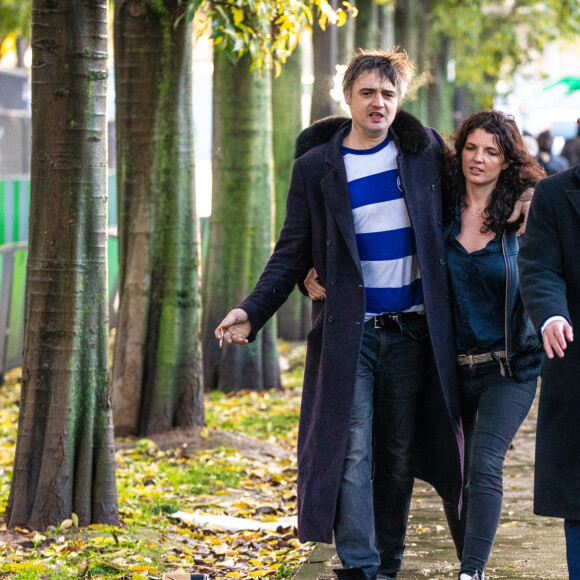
(409, 133)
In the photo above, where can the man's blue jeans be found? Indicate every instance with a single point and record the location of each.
(572, 530)
(492, 409)
(390, 381)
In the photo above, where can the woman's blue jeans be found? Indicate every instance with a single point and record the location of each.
(492, 408)
(388, 388)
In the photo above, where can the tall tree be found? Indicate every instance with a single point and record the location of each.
(241, 224)
(294, 316)
(325, 54)
(386, 25)
(64, 459)
(366, 30)
(157, 373)
(346, 34)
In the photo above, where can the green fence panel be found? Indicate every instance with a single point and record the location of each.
(15, 203)
(16, 186)
(16, 312)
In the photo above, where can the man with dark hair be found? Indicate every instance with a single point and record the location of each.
(571, 150)
(550, 288)
(365, 209)
(550, 162)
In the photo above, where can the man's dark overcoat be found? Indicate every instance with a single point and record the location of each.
(549, 262)
(319, 231)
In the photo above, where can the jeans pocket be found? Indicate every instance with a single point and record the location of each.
(416, 329)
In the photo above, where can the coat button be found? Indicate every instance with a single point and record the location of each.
(333, 282)
(330, 318)
(328, 242)
(273, 290)
(442, 262)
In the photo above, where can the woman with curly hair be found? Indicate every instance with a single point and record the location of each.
(499, 354)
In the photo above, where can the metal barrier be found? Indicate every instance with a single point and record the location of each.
(12, 284)
(15, 202)
(14, 210)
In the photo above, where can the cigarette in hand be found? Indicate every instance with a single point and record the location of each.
(222, 337)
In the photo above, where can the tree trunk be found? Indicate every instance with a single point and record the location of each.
(65, 451)
(408, 38)
(366, 24)
(294, 316)
(157, 375)
(324, 49)
(440, 91)
(422, 55)
(345, 41)
(386, 27)
(241, 222)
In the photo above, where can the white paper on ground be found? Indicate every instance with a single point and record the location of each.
(231, 524)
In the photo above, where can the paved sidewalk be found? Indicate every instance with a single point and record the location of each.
(526, 546)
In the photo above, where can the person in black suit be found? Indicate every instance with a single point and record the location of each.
(550, 288)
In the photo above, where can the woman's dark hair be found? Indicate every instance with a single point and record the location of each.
(522, 172)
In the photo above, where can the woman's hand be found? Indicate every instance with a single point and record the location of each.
(312, 284)
(522, 207)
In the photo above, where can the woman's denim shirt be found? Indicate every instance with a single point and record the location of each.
(478, 282)
(522, 345)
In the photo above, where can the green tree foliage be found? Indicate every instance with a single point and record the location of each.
(15, 18)
(15, 27)
(486, 40)
(268, 30)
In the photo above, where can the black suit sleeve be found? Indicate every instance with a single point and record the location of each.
(291, 259)
(540, 260)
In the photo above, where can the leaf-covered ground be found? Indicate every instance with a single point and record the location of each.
(256, 480)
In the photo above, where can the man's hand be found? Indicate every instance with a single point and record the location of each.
(522, 207)
(315, 290)
(556, 337)
(234, 328)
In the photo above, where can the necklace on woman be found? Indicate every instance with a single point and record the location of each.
(478, 211)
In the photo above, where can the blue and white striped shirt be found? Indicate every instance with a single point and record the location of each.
(384, 234)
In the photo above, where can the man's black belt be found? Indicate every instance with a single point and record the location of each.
(387, 318)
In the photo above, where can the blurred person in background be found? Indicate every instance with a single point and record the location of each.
(550, 162)
(531, 143)
(571, 150)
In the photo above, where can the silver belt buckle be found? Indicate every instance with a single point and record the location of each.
(377, 322)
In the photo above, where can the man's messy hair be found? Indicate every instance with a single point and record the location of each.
(394, 65)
